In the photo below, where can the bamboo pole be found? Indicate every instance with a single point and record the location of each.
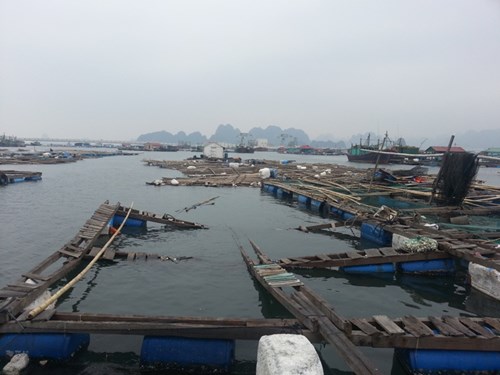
(64, 289)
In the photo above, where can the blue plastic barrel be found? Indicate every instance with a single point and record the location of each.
(164, 351)
(59, 346)
(419, 361)
(369, 268)
(315, 204)
(428, 266)
(336, 212)
(346, 215)
(375, 233)
(117, 220)
(303, 199)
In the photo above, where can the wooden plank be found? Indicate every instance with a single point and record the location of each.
(11, 293)
(444, 328)
(438, 342)
(474, 326)
(494, 323)
(35, 276)
(323, 257)
(388, 325)
(388, 251)
(45, 315)
(455, 323)
(70, 253)
(21, 287)
(416, 327)
(356, 360)
(372, 253)
(327, 309)
(354, 255)
(280, 284)
(74, 248)
(365, 326)
(109, 254)
(268, 272)
(94, 251)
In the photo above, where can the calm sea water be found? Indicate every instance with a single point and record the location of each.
(38, 218)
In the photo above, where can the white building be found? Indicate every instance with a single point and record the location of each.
(213, 150)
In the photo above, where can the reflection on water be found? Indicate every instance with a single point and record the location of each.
(421, 289)
(481, 304)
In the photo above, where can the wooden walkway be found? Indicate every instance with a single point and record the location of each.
(185, 326)
(380, 331)
(443, 333)
(10, 176)
(16, 296)
(359, 258)
(164, 219)
(311, 310)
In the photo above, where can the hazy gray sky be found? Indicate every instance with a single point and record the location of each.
(115, 69)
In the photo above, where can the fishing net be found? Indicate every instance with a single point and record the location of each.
(455, 178)
(419, 244)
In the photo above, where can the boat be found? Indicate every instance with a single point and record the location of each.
(242, 149)
(388, 152)
(11, 142)
(362, 153)
(359, 154)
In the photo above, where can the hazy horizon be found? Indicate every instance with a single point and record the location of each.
(118, 69)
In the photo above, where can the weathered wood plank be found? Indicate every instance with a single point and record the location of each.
(388, 325)
(70, 253)
(35, 276)
(109, 254)
(494, 323)
(365, 326)
(416, 327)
(455, 323)
(444, 328)
(476, 327)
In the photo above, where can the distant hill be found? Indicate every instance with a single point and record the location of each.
(473, 140)
(226, 133)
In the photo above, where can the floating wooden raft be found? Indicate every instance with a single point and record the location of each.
(184, 326)
(9, 176)
(443, 333)
(358, 258)
(227, 180)
(16, 296)
(310, 309)
(112, 254)
(159, 218)
(456, 243)
(380, 331)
